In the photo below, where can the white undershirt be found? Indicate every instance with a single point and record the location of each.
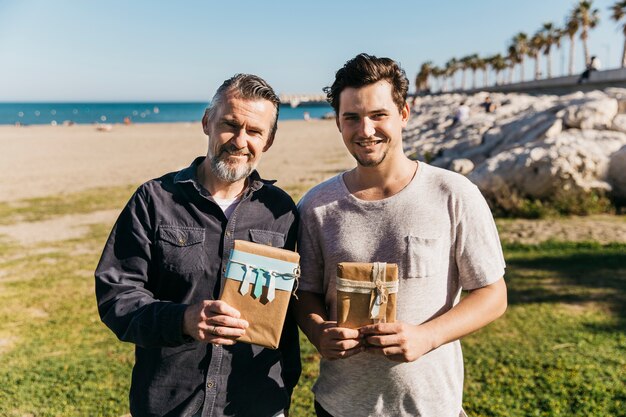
(228, 205)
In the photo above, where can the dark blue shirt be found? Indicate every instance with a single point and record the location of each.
(169, 249)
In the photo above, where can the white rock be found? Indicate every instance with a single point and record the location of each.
(530, 146)
(619, 123)
(617, 173)
(462, 166)
(591, 113)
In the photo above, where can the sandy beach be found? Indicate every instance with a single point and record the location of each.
(39, 161)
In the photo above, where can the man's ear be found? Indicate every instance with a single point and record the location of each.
(405, 113)
(205, 122)
(269, 143)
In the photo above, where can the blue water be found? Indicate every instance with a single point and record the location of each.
(59, 113)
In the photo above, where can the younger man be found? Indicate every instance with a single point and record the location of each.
(434, 224)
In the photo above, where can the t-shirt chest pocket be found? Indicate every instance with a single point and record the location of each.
(423, 256)
(182, 248)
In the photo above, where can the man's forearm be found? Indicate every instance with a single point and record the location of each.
(310, 313)
(479, 308)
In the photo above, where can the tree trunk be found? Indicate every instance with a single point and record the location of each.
(549, 65)
(521, 70)
(537, 72)
(572, 48)
(485, 77)
(463, 79)
(583, 37)
(624, 53)
(474, 77)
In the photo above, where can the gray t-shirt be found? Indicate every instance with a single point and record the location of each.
(440, 232)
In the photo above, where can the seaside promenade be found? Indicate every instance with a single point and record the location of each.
(598, 80)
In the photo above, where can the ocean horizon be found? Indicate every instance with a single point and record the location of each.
(50, 113)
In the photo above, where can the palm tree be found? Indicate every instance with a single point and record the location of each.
(452, 66)
(535, 45)
(513, 58)
(520, 43)
(498, 63)
(464, 65)
(437, 73)
(618, 12)
(588, 19)
(474, 65)
(421, 80)
(551, 36)
(482, 64)
(571, 27)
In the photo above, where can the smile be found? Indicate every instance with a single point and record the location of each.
(366, 143)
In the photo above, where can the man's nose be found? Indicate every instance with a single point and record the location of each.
(366, 127)
(240, 140)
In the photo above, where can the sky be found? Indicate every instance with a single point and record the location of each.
(139, 50)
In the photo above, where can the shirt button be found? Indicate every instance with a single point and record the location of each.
(228, 234)
(224, 269)
(210, 384)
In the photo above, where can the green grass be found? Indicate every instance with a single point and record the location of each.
(43, 208)
(560, 350)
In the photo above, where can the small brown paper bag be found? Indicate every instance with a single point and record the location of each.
(259, 281)
(366, 293)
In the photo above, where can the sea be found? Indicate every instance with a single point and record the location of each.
(88, 113)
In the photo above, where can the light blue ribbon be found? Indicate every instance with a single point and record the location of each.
(249, 268)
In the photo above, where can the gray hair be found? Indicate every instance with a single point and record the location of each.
(247, 87)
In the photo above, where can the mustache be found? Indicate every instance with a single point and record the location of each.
(233, 150)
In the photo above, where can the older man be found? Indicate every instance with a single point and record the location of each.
(434, 224)
(161, 271)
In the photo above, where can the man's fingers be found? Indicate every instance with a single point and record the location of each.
(383, 340)
(341, 333)
(343, 354)
(392, 353)
(379, 328)
(221, 307)
(227, 321)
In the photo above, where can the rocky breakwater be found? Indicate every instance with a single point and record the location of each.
(530, 147)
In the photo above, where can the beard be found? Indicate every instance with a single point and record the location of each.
(228, 172)
(370, 162)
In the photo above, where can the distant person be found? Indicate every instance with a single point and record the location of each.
(307, 116)
(461, 114)
(594, 65)
(161, 271)
(488, 105)
(127, 121)
(433, 223)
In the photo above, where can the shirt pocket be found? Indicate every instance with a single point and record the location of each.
(423, 256)
(267, 237)
(182, 248)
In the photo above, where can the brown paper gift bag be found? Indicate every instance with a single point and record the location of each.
(258, 282)
(366, 293)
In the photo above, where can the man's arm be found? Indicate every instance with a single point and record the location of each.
(405, 343)
(331, 342)
(127, 305)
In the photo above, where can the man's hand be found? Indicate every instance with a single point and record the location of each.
(334, 342)
(214, 322)
(398, 341)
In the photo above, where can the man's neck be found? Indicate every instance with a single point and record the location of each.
(382, 181)
(217, 187)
